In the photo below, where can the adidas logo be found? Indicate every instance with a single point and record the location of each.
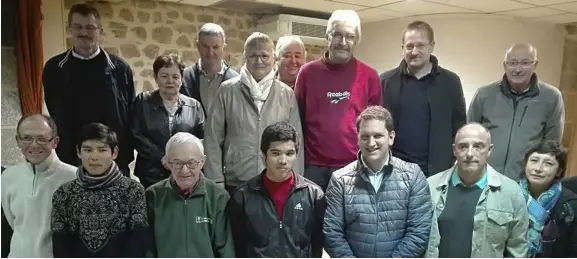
(299, 206)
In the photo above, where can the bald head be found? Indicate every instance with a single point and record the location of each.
(476, 129)
(521, 49)
(37, 120)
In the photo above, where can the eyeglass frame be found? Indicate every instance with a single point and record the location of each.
(192, 164)
(526, 63)
(41, 140)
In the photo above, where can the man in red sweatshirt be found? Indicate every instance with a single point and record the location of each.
(332, 91)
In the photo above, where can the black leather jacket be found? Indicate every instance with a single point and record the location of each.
(257, 230)
(562, 239)
(150, 129)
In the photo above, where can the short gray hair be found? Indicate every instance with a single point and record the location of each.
(211, 29)
(287, 40)
(255, 38)
(181, 138)
(348, 17)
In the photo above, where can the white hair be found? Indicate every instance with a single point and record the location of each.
(211, 29)
(287, 40)
(182, 138)
(348, 17)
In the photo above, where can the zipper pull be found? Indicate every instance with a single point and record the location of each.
(280, 225)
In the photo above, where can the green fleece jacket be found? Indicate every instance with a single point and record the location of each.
(193, 227)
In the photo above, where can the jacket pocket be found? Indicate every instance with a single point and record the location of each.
(497, 228)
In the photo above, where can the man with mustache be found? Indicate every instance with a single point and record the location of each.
(332, 91)
(86, 84)
(519, 110)
(27, 189)
(202, 80)
(426, 101)
(477, 211)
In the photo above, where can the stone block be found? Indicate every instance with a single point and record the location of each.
(186, 29)
(172, 14)
(188, 16)
(162, 35)
(189, 57)
(11, 154)
(204, 18)
(112, 50)
(126, 15)
(223, 21)
(148, 86)
(147, 73)
(143, 17)
(183, 42)
(239, 24)
(119, 29)
(129, 51)
(146, 4)
(157, 17)
(140, 33)
(138, 63)
(151, 51)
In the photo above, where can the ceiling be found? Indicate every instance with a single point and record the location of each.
(553, 11)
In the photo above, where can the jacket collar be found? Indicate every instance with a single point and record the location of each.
(533, 89)
(199, 190)
(45, 167)
(257, 184)
(69, 54)
(493, 179)
(158, 103)
(403, 67)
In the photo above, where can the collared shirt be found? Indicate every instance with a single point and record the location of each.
(376, 178)
(456, 180)
(93, 55)
(209, 85)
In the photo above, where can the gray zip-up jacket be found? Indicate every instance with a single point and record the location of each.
(517, 122)
(234, 128)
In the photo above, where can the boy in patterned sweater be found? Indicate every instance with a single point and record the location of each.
(102, 213)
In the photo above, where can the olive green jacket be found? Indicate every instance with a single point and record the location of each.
(193, 227)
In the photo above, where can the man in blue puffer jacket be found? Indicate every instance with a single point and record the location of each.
(379, 205)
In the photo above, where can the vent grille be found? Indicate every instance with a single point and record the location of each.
(309, 30)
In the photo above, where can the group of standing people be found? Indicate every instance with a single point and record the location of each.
(283, 158)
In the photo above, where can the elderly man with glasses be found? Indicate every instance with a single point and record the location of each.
(27, 188)
(519, 110)
(187, 211)
(243, 108)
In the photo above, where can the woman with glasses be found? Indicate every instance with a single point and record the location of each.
(159, 114)
(552, 208)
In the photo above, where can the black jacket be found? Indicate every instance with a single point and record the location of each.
(563, 235)
(447, 107)
(571, 184)
(257, 231)
(58, 94)
(150, 129)
(191, 84)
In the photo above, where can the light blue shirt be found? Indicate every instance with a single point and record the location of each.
(376, 178)
(456, 180)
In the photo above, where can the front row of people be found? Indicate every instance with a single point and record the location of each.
(377, 206)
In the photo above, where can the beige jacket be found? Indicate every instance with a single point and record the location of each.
(234, 128)
(501, 220)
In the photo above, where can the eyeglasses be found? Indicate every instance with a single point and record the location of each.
(523, 63)
(411, 46)
(28, 140)
(336, 36)
(263, 58)
(192, 164)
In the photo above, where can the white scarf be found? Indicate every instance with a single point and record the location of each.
(258, 90)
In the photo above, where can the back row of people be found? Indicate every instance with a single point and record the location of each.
(376, 206)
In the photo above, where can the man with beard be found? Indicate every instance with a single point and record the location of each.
(519, 110)
(86, 84)
(27, 189)
(426, 101)
(331, 92)
(478, 212)
(202, 80)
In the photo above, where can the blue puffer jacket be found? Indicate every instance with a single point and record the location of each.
(394, 221)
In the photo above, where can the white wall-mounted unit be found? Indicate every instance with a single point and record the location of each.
(312, 31)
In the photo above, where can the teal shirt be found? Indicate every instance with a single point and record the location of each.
(482, 183)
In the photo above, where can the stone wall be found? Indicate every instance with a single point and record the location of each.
(568, 87)
(140, 30)
(10, 100)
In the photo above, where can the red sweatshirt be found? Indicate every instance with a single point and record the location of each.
(330, 99)
(279, 192)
